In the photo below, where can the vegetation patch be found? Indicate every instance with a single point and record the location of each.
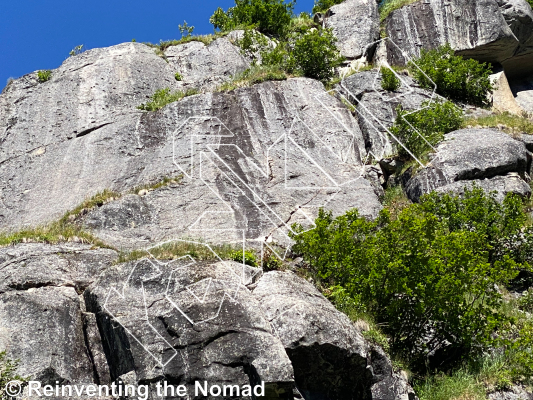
(253, 75)
(8, 369)
(267, 16)
(44, 75)
(191, 247)
(389, 80)
(420, 130)
(321, 6)
(505, 121)
(388, 6)
(456, 78)
(428, 276)
(166, 181)
(247, 257)
(165, 96)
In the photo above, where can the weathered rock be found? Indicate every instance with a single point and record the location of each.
(503, 99)
(355, 23)
(497, 31)
(376, 108)
(206, 66)
(331, 359)
(472, 154)
(523, 91)
(510, 183)
(514, 393)
(242, 140)
(186, 322)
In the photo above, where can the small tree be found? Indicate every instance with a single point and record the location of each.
(389, 81)
(185, 29)
(268, 16)
(316, 55)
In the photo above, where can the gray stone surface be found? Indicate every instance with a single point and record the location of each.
(245, 183)
(331, 359)
(186, 322)
(206, 67)
(376, 108)
(510, 183)
(469, 154)
(355, 23)
(41, 312)
(514, 393)
(487, 30)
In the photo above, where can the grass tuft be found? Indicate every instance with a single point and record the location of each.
(461, 385)
(254, 75)
(194, 248)
(44, 75)
(166, 181)
(165, 96)
(389, 6)
(505, 121)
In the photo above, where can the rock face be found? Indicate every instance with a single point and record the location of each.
(355, 23)
(484, 156)
(206, 67)
(257, 159)
(40, 311)
(376, 108)
(71, 315)
(498, 31)
(319, 339)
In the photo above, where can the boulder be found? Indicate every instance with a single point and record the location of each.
(355, 23)
(497, 31)
(206, 66)
(330, 357)
(376, 107)
(473, 154)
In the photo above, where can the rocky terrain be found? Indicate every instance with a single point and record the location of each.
(239, 168)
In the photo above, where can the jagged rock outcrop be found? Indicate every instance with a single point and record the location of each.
(271, 154)
(376, 108)
(497, 31)
(488, 157)
(206, 66)
(330, 357)
(355, 23)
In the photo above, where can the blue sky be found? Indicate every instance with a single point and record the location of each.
(39, 34)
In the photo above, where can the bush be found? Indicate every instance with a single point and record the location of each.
(44, 75)
(247, 257)
(323, 5)
(7, 374)
(459, 79)
(185, 30)
(389, 81)
(430, 276)
(268, 16)
(178, 76)
(316, 55)
(432, 121)
(162, 97)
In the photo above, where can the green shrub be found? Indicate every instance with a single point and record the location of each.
(526, 301)
(185, 30)
(7, 374)
(178, 76)
(162, 97)
(432, 121)
(389, 81)
(76, 50)
(458, 79)
(44, 75)
(247, 257)
(323, 5)
(315, 54)
(430, 276)
(268, 16)
(269, 261)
